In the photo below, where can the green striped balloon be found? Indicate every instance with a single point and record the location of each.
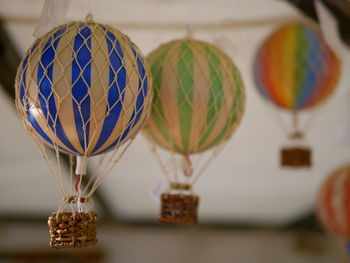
(198, 99)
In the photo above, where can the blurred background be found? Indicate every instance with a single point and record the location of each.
(251, 210)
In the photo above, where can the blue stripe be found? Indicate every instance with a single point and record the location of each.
(116, 91)
(23, 76)
(142, 94)
(314, 54)
(22, 80)
(81, 80)
(24, 101)
(46, 96)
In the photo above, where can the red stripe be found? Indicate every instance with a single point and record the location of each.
(329, 215)
(346, 206)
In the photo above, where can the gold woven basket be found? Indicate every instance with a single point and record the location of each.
(68, 230)
(179, 208)
(296, 157)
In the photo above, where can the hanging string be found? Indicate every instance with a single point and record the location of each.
(296, 132)
(189, 31)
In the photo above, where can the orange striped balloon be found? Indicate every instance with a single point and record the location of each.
(198, 96)
(333, 205)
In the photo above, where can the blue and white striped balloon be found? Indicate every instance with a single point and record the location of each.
(83, 88)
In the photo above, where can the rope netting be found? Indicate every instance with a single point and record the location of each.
(84, 91)
(199, 100)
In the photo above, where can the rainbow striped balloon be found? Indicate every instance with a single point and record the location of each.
(199, 96)
(84, 88)
(333, 204)
(295, 69)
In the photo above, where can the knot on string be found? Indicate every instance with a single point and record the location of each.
(89, 18)
(296, 135)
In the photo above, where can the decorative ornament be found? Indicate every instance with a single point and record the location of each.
(333, 204)
(82, 90)
(296, 70)
(198, 102)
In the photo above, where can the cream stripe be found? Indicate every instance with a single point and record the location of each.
(228, 85)
(134, 82)
(153, 130)
(131, 90)
(32, 91)
(201, 88)
(62, 85)
(99, 86)
(239, 103)
(168, 94)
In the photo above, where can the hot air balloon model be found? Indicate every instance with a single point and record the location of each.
(333, 204)
(82, 90)
(296, 70)
(198, 102)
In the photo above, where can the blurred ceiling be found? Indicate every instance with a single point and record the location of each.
(245, 183)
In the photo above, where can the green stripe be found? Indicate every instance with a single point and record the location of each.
(185, 93)
(215, 94)
(157, 107)
(158, 142)
(236, 107)
(300, 64)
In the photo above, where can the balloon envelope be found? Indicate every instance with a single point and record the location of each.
(334, 201)
(199, 96)
(84, 88)
(295, 69)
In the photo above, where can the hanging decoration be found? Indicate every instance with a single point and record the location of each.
(296, 70)
(82, 90)
(198, 102)
(333, 204)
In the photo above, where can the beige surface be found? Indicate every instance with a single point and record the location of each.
(188, 245)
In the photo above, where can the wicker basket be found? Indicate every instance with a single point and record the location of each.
(179, 208)
(296, 157)
(68, 230)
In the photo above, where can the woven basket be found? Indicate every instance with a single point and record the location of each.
(179, 208)
(296, 157)
(68, 230)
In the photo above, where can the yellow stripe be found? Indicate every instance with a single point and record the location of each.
(287, 68)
